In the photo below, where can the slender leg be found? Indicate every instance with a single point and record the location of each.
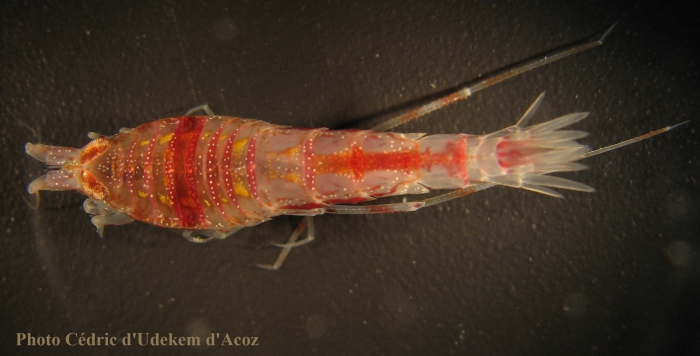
(202, 236)
(191, 237)
(95, 135)
(104, 215)
(507, 74)
(408, 206)
(306, 223)
(204, 107)
(309, 234)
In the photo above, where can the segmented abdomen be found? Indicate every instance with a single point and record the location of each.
(222, 172)
(184, 173)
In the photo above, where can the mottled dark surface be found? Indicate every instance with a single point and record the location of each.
(500, 272)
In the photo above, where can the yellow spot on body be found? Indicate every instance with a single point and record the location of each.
(239, 145)
(142, 194)
(166, 138)
(165, 199)
(291, 177)
(144, 142)
(207, 202)
(206, 134)
(240, 190)
(224, 200)
(222, 137)
(291, 152)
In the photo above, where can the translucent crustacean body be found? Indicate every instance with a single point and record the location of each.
(213, 175)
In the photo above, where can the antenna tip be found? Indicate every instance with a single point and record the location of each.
(607, 32)
(676, 125)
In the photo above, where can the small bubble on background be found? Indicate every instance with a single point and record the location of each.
(679, 253)
(225, 29)
(316, 326)
(199, 328)
(575, 305)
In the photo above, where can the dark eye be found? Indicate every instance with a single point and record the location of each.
(94, 149)
(93, 187)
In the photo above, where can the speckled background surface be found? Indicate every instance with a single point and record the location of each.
(500, 272)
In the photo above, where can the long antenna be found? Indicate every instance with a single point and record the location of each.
(506, 74)
(630, 141)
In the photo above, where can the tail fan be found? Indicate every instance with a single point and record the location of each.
(523, 157)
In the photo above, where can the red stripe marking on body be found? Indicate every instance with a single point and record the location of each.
(453, 158)
(357, 162)
(184, 195)
(516, 153)
(349, 201)
(169, 181)
(212, 171)
(148, 172)
(401, 161)
(131, 167)
(460, 154)
(307, 206)
(251, 167)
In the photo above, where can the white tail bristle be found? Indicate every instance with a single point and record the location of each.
(523, 157)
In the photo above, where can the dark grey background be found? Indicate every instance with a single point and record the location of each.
(503, 271)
